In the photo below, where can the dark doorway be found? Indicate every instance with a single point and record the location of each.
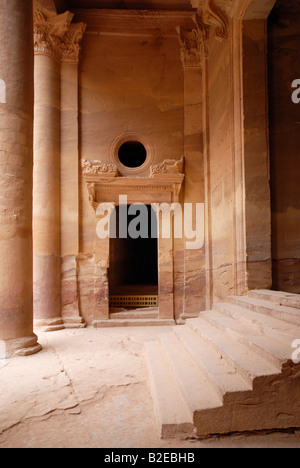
(133, 269)
(284, 68)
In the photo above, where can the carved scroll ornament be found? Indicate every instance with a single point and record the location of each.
(213, 15)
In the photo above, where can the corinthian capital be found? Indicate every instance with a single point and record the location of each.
(54, 35)
(71, 42)
(191, 49)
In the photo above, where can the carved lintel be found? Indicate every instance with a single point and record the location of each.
(190, 46)
(98, 168)
(54, 35)
(145, 190)
(169, 166)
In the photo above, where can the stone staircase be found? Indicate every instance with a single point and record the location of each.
(230, 370)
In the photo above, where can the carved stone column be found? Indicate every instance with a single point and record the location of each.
(55, 39)
(16, 126)
(165, 234)
(69, 171)
(192, 55)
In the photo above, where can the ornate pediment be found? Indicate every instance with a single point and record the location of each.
(54, 35)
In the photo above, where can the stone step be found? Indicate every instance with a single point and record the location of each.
(269, 326)
(132, 314)
(184, 317)
(231, 368)
(197, 393)
(270, 349)
(278, 297)
(172, 413)
(221, 376)
(244, 361)
(133, 323)
(288, 314)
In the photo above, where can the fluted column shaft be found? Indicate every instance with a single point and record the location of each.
(46, 194)
(56, 42)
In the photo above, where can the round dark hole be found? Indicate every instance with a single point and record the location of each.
(132, 154)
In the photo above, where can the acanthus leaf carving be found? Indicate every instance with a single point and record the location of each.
(190, 46)
(71, 43)
(54, 35)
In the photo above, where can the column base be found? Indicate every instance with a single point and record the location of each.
(19, 347)
(74, 322)
(49, 325)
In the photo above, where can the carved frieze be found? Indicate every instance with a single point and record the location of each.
(54, 35)
(168, 167)
(98, 168)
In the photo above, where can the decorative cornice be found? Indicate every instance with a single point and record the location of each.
(159, 189)
(54, 35)
(134, 22)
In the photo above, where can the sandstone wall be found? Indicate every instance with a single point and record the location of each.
(127, 84)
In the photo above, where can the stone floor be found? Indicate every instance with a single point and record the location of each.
(89, 388)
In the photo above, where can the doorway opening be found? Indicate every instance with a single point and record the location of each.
(284, 68)
(133, 269)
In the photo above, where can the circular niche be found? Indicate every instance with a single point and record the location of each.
(132, 154)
